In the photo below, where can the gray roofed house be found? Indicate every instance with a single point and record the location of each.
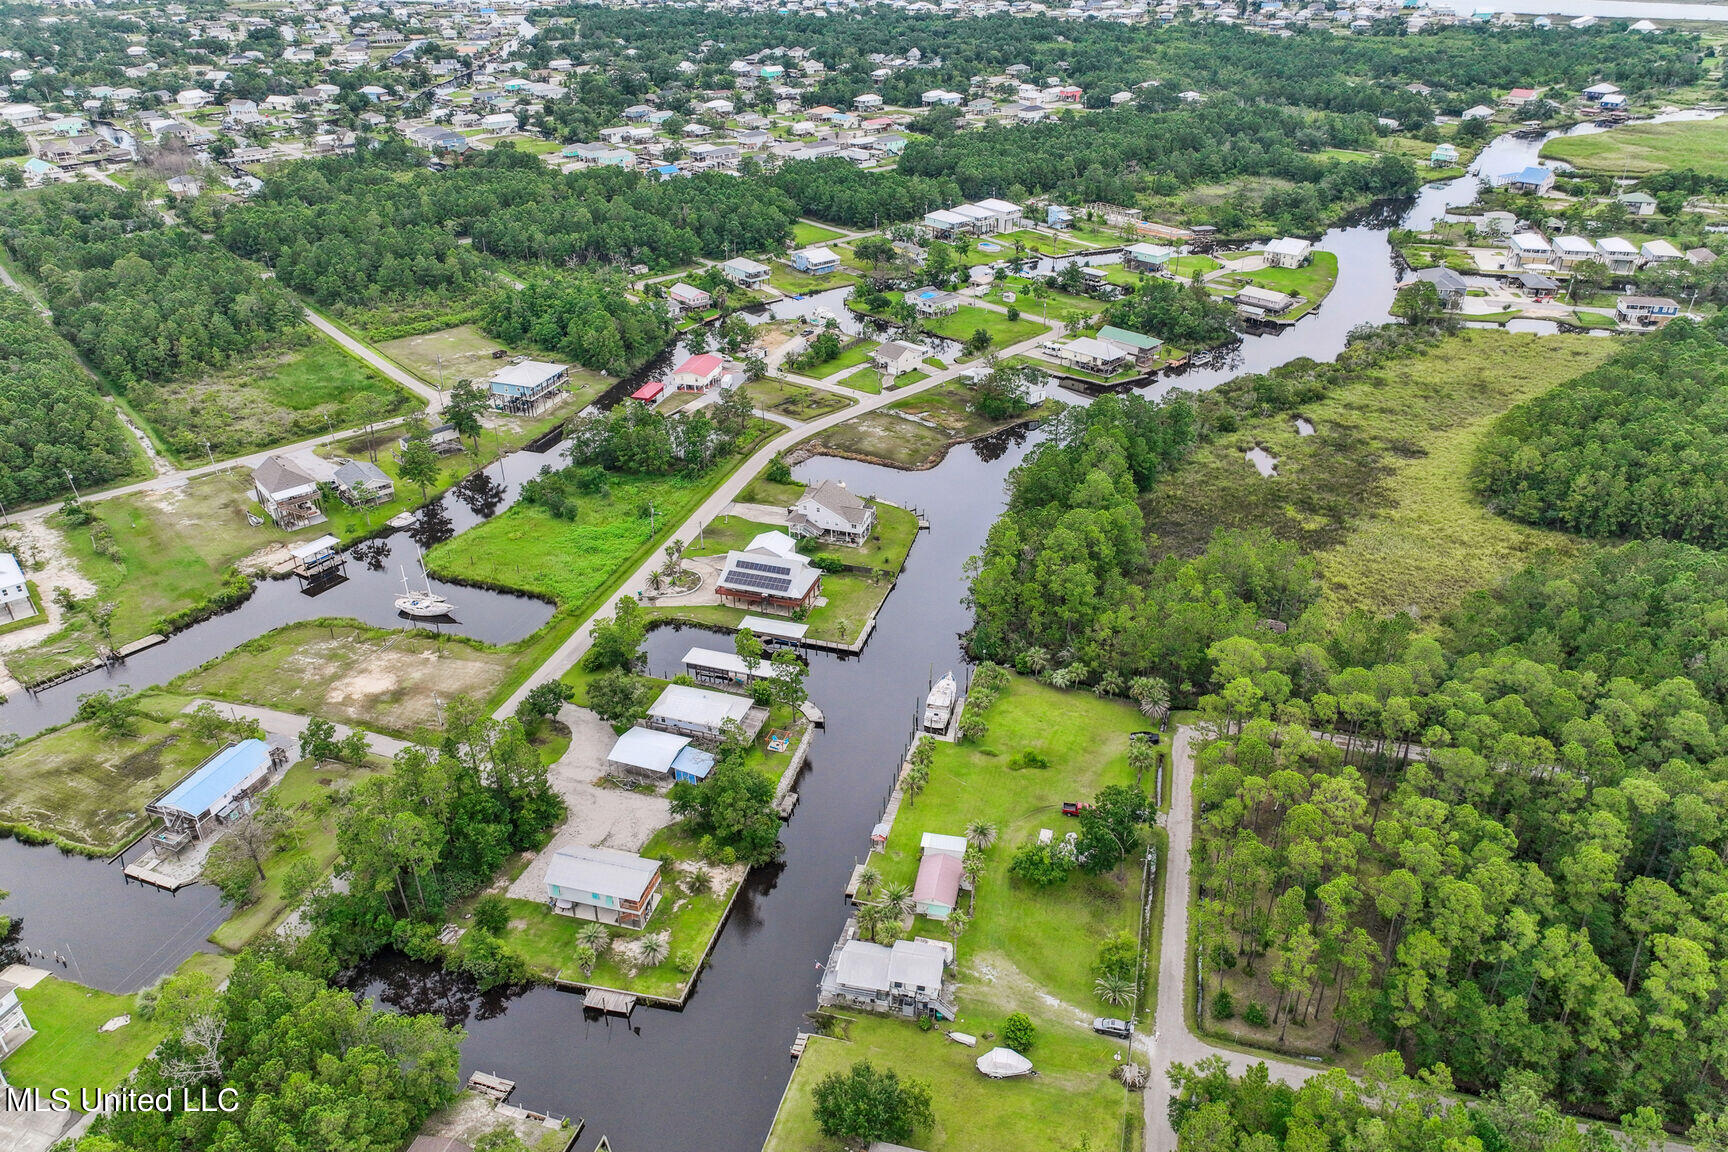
(362, 484)
(769, 574)
(1255, 299)
(287, 492)
(699, 713)
(828, 511)
(603, 884)
(908, 978)
(1449, 284)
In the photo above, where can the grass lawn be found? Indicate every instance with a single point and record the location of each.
(857, 354)
(67, 1050)
(76, 784)
(864, 380)
(444, 357)
(1026, 949)
(795, 283)
(970, 318)
(1183, 267)
(804, 234)
(1381, 492)
(1031, 305)
(385, 679)
(794, 401)
(1100, 235)
(1594, 320)
(305, 792)
(547, 941)
(275, 398)
(1641, 149)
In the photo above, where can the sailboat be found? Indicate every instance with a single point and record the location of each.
(422, 602)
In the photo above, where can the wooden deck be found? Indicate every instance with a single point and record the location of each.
(491, 1085)
(603, 1000)
(798, 1044)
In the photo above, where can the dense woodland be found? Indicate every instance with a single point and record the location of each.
(586, 319)
(52, 421)
(142, 300)
(1637, 448)
(308, 1067)
(1115, 155)
(838, 190)
(378, 226)
(1316, 70)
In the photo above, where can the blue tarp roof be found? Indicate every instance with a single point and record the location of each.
(693, 762)
(217, 777)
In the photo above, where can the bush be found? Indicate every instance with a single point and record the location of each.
(1119, 957)
(1019, 1033)
(491, 914)
(1255, 1014)
(1039, 865)
(778, 472)
(1028, 759)
(865, 1105)
(1223, 1005)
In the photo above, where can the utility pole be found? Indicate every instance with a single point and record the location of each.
(74, 484)
(209, 453)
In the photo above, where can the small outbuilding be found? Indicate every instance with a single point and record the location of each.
(660, 755)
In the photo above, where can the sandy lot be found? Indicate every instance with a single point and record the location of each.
(39, 544)
(604, 817)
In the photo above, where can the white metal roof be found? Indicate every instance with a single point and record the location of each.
(10, 573)
(681, 703)
(768, 626)
(937, 842)
(528, 374)
(647, 749)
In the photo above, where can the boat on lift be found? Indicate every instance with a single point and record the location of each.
(422, 602)
(939, 705)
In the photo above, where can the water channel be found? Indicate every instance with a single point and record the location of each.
(710, 1076)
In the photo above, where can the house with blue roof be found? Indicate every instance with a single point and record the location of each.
(1536, 180)
(214, 793)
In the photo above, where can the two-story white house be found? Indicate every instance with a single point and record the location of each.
(828, 511)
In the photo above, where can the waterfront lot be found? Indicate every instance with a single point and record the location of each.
(548, 941)
(970, 318)
(386, 680)
(915, 432)
(88, 789)
(794, 401)
(1027, 950)
(1313, 282)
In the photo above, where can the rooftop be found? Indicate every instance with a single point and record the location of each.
(602, 871)
(212, 781)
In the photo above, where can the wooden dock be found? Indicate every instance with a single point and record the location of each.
(858, 871)
(605, 1000)
(139, 645)
(142, 871)
(491, 1085)
(786, 804)
(798, 1044)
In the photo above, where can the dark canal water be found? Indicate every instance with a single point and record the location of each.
(708, 1077)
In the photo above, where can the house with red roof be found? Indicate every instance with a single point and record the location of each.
(697, 374)
(650, 393)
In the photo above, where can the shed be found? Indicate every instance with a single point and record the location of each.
(936, 842)
(937, 888)
(696, 712)
(650, 393)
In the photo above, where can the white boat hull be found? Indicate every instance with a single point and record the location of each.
(423, 606)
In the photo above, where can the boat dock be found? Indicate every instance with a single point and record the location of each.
(798, 1043)
(605, 1000)
(144, 871)
(139, 645)
(490, 1085)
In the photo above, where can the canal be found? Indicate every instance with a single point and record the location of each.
(635, 1080)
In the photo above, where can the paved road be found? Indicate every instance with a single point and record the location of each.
(576, 646)
(1172, 1041)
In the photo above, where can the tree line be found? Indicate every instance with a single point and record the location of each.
(142, 300)
(52, 421)
(839, 191)
(1638, 447)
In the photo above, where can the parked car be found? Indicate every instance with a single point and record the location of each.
(1073, 808)
(1108, 1026)
(1153, 737)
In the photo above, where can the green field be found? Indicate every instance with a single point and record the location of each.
(1048, 245)
(794, 401)
(274, 399)
(380, 678)
(804, 234)
(1026, 949)
(1381, 492)
(970, 318)
(79, 785)
(67, 1050)
(857, 354)
(547, 941)
(1643, 149)
(795, 283)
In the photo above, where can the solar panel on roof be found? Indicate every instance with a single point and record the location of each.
(758, 566)
(757, 580)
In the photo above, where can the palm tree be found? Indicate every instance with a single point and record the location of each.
(1037, 660)
(1152, 694)
(652, 950)
(586, 958)
(594, 935)
(981, 833)
(972, 868)
(958, 922)
(868, 881)
(872, 919)
(897, 898)
(1114, 989)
